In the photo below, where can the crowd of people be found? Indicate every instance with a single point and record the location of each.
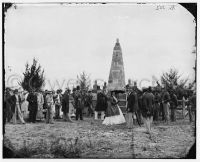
(158, 104)
(142, 106)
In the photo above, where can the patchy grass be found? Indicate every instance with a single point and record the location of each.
(91, 139)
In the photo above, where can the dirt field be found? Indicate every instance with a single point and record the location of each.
(91, 139)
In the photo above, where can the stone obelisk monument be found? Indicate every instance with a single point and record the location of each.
(116, 79)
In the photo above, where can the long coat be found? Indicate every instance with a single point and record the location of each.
(33, 104)
(132, 102)
(147, 104)
(65, 103)
(101, 102)
(79, 100)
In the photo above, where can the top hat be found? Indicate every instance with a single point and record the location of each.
(78, 88)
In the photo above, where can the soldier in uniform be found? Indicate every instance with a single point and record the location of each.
(147, 108)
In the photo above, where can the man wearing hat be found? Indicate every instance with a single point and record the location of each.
(16, 104)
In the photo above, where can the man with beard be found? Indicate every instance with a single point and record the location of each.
(32, 106)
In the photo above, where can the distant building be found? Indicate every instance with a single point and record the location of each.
(116, 79)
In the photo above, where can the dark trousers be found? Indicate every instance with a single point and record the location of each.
(162, 112)
(79, 112)
(32, 114)
(9, 113)
(57, 109)
(173, 115)
(156, 112)
(139, 116)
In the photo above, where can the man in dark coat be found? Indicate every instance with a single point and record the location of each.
(147, 108)
(101, 105)
(157, 106)
(173, 105)
(7, 108)
(32, 106)
(65, 106)
(79, 100)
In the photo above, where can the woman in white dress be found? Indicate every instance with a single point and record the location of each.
(114, 114)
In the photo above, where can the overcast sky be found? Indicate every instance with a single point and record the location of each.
(67, 40)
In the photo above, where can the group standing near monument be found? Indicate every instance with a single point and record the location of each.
(143, 106)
